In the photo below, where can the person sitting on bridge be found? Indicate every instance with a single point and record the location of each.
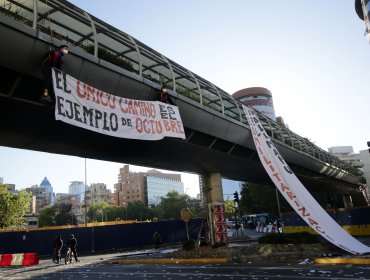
(53, 58)
(165, 97)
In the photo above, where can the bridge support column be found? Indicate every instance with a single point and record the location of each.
(347, 201)
(213, 198)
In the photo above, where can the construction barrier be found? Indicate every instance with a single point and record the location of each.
(24, 259)
(268, 228)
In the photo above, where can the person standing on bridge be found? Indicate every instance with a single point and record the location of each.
(53, 58)
(165, 97)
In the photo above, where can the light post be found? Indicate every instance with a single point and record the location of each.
(85, 196)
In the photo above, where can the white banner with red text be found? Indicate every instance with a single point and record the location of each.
(79, 104)
(295, 193)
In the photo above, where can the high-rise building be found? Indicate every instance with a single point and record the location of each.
(98, 192)
(365, 159)
(48, 189)
(40, 198)
(1, 180)
(259, 98)
(346, 154)
(158, 184)
(146, 187)
(77, 188)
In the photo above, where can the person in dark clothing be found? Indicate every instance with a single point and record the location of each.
(57, 244)
(157, 240)
(72, 243)
(165, 97)
(53, 58)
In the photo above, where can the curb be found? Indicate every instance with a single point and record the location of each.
(167, 261)
(341, 261)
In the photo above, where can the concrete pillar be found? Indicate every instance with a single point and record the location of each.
(213, 198)
(347, 201)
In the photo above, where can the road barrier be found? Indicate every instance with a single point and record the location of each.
(24, 259)
(268, 228)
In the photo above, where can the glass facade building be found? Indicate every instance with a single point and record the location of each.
(157, 187)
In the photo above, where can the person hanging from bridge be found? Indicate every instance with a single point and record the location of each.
(165, 97)
(53, 58)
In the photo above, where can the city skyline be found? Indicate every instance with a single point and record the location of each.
(110, 170)
(312, 56)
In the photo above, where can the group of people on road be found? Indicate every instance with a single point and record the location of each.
(58, 245)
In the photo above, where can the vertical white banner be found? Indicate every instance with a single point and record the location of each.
(295, 193)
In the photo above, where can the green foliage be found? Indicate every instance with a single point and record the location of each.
(47, 217)
(229, 208)
(111, 57)
(171, 205)
(13, 207)
(290, 238)
(260, 199)
(64, 215)
(189, 245)
(58, 215)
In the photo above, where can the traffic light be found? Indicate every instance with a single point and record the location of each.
(368, 144)
(236, 197)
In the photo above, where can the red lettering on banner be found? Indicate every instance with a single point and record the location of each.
(257, 141)
(312, 222)
(276, 175)
(173, 126)
(283, 187)
(291, 195)
(137, 107)
(80, 94)
(89, 93)
(303, 210)
(148, 126)
(266, 160)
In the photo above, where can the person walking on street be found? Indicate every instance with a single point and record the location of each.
(157, 240)
(72, 243)
(57, 244)
(53, 58)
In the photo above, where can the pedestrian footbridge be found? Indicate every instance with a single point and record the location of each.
(218, 138)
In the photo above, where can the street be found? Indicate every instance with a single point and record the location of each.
(91, 268)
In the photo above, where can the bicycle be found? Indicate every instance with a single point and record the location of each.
(69, 256)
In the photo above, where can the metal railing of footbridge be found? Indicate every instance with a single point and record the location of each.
(66, 22)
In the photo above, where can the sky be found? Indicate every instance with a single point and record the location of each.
(312, 56)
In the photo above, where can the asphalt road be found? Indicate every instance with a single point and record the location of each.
(92, 268)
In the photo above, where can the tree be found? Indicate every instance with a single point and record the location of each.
(172, 204)
(64, 215)
(229, 208)
(138, 211)
(258, 199)
(13, 207)
(97, 211)
(47, 216)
